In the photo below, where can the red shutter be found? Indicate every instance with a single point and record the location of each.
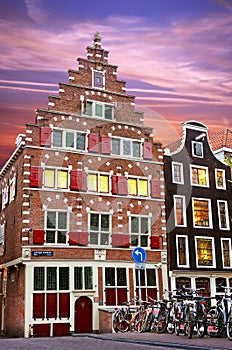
(114, 184)
(93, 143)
(36, 176)
(78, 238)
(51, 305)
(61, 329)
(38, 305)
(147, 150)
(120, 240)
(38, 237)
(110, 296)
(105, 145)
(155, 242)
(155, 188)
(64, 305)
(122, 295)
(45, 136)
(122, 185)
(78, 180)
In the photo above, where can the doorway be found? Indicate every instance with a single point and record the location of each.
(83, 315)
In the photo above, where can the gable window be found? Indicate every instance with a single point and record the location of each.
(223, 215)
(56, 178)
(197, 149)
(98, 183)
(182, 251)
(98, 79)
(56, 226)
(199, 176)
(179, 210)
(177, 173)
(115, 285)
(226, 252)
(12, 189)
(140, 230)
(100, 227)
(202, 216)
(205, 251)
(220, 179)
(83, 277)
(126, 147)
(138, 187)
(99, 109)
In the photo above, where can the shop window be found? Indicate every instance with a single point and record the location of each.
(203, 282)
(202, 216)
(183, 282)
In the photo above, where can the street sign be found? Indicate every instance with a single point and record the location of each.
(139, 255)
(140, 266)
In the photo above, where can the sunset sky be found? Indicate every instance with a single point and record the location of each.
(175, 55)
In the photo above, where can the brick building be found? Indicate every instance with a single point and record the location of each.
(83, 188)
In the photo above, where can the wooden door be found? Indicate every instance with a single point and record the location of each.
(83, 315)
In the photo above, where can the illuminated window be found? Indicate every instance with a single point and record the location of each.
(182, 251)
(98, 183)
(177, 173)
(55, 178)
(226, 252)
(179, 210)
(202, 216)
(138, 187)
(100, 225)
(220, 179)
(223, 215)
(197, 149)
(205, 252)
(199, 176)
(56, 226)
(140, 230)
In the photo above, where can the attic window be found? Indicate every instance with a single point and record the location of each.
(98, 79)
(197, 149)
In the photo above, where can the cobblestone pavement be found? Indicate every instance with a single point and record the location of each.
(113, 341)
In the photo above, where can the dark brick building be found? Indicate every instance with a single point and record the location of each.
(83, 188)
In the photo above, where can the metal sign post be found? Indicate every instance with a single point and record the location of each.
(139, 256)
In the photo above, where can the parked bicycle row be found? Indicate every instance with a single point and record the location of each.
(186, 311)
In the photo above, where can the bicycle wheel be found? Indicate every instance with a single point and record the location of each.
(135, 324)
(200, 327)
(215, 323)
(229, 328)
(162, 322)
(120, 323)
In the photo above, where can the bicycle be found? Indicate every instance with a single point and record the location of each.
(122, 317)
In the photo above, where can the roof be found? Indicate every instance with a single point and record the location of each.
(220, 139)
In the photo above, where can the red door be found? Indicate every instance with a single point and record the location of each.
(83, 315)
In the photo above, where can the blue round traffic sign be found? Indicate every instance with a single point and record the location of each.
(139, 255)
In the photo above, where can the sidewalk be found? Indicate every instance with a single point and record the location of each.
(171, 340)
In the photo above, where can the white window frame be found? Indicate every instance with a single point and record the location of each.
(192, 166)
(181, 182)
(99, 231)
(210, 226)
(121, 139)
(138, 187)
(63, 140)
(56, 229)
(175, 197)
(226, 214)
(98, 182)
(186, 251)
(213, 252)
(224, 179)
(103, 79)
(56, 179)
(139, 234)
(230, 253)
(193, 152)
(103, 104)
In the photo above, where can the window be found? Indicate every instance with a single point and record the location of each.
(202, 216)
(56, 178)
(146, 281)
(56, 226)
(140, 230)
(99, 109)
(199, 176)
(197, 149)
(182, 251)
(138, 187)
(98, 79)
(177, 173)
(69, 139)
(12, 189)
(179, 210)
(83, 277)
(220, 179)
(223, 215)
(100, 226)
(183, 281)
(205, 252)
(126, 147)
(115, 285)
(98, 183)
(226, 252)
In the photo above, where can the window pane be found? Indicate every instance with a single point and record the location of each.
(92, 182)
(181, 246)
(62, 220)
(179, 211)
(57, 138)
(70, 139)
(39, 278)
(121, 277)
(126, 148)
(136, 149)
(62, 179)
(94, 222)
(204, 252)
(80, 142)
(177, 173)
(110, 276)
(63, 278)
(51, 278)
(98, 110)
(108, 112)
(51, 219)
(151, 281)
(132, 186)
(198, 149)
(199, 176)
(143, 190)
(105, 223)
(226, 252)
(104, 183)
(88, 110)
(144, 225)
(134, 224)
(223, 215)
(88, 278)
(61, 238)
(78, 278)
(104, 239)
(220, 179)
(115, 146)
(50, 236)
(49, 178)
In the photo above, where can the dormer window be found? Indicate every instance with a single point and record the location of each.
(98, 79)
(197, 149)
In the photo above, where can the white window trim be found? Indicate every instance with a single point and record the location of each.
(230, 252)
(94, 108)
(187, 251)
(56, 179)
(139, 233)
(98, 182)
(210, 213)
(213, 253)
(104, 79)
(46, 229)
(104, 279)
(193, 153)
(63, 145)
(203, 168)
(224, 179)
(109, 233)
(184, 210)
(226, 212)
(181, 182)
(137, 181)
